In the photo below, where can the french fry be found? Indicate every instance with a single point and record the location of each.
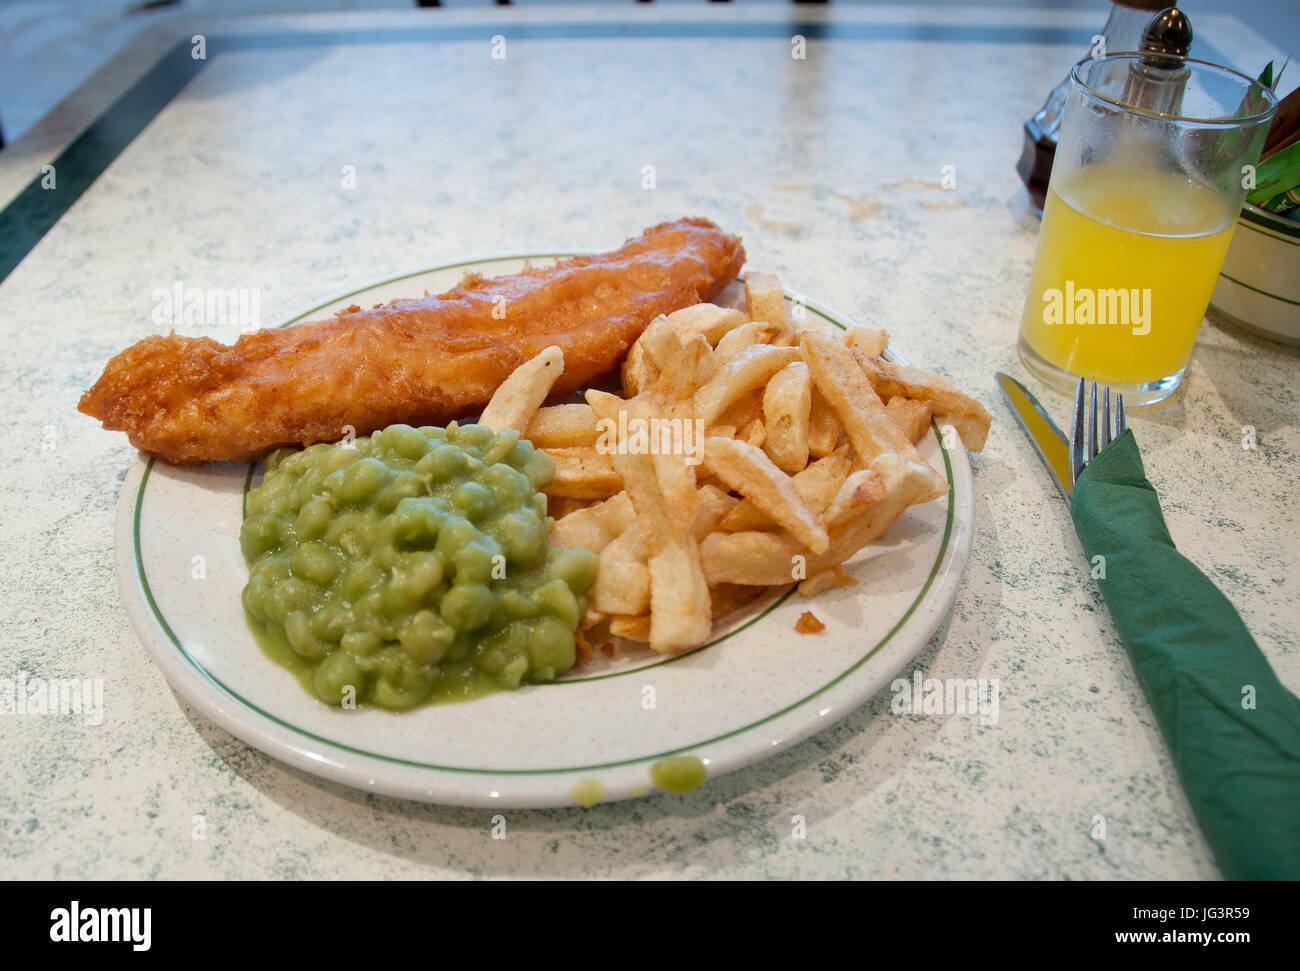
(750, 472)
(823, 426)
(522, 393)
(871, 341)
(787, 404)
(970, 418)
(692, 365)
(771, 559)
(911, 416)
(817, 485)
(844, 385)
(755, 433)
(765, 298)
(594, 526)
(705, 318)
(861, 489)
(657, 343)
(746, 335)
(711, 505)
(632, 628)
(558, 507)
(623, 581)
(563, 426)
(638, 370)
(741, 412)
(751, 368)
(583, 473)
(826, 580)
(662, 491)
(816, 434)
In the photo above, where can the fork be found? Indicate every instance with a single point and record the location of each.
(1084, 447)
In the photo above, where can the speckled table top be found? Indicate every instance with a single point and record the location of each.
(829, 166)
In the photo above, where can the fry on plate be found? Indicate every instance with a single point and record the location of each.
(520, 395)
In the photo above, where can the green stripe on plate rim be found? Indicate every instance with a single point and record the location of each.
(275, 719)
(1269, 220)
(1294, 303)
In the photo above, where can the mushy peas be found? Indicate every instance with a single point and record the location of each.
(412, 566)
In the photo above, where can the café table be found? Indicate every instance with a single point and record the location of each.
(867, 157)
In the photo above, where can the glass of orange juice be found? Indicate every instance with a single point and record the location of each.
(1155, 157)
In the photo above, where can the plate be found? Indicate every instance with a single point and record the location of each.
(757, 688)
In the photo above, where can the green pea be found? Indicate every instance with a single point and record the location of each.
(339, 678)
(313, 518)
(472, 436)
(442, 462)
(359, 643)
(516, 605)
(522, 539)
(296, 593)
(509, 486)
(556, 599)
(425, 638)
(403, 693)
(255, 596)
(297, 628)
(314, 562)
(283, 460)
(403, 442)
(397, 598)
(576, 566)
(551, 649)
(512, 675)
(358, 481)
(473, 501)
(340, 457)
(415, 523)
(423, 571)
(540, 469)
(433, 432)
(475, 563)
(519, 455)
(405, 485)
(257, 536)
(310, 485)
(330, 623)
(467, 606)
(502, 444)
(359, 579)
(455, 533)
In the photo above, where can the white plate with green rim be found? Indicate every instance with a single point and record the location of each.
(756, 689)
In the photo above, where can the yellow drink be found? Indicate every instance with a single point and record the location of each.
(1127, 260)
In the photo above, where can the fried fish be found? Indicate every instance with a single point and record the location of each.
(422, 361)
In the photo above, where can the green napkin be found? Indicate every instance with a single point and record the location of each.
(1238, 757)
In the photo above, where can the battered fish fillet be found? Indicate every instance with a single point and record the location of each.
(191, 399)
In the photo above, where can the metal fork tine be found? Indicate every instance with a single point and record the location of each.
(1105, 419)
(1092, 422)
(1121, 420)
(1076, 435)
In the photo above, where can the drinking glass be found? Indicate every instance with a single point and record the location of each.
(1155, 157)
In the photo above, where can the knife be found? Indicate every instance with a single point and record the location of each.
(1232, 727)
(1044, 434)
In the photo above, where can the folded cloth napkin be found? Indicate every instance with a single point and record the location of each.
(1233, 729)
